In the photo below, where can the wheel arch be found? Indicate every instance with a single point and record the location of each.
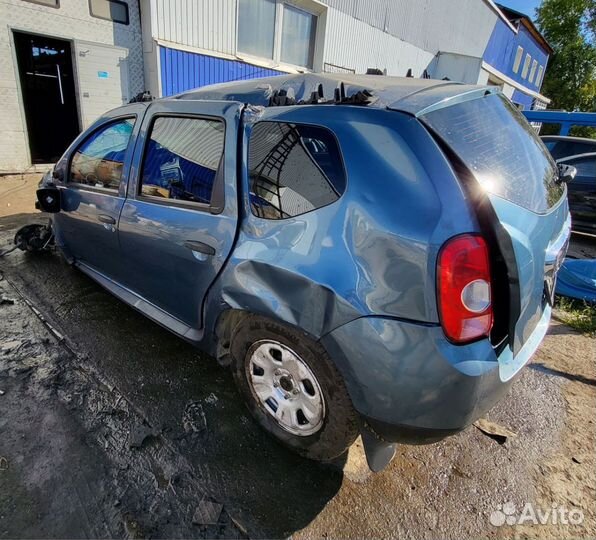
(257, 288)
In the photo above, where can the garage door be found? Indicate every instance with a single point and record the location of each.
(102, 73)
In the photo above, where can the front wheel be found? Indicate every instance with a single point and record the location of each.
(292, 388)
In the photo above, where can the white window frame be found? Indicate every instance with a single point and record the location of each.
(526, 67)
(533, 71)
(539, 76)
(303, 5)
(518, 58)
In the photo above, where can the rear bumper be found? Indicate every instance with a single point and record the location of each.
(412, 385)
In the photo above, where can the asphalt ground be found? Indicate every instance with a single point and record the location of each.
(112, 427)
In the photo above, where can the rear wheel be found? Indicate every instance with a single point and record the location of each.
(292, 388)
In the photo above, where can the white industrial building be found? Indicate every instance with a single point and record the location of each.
(119, 48)
(297, 35)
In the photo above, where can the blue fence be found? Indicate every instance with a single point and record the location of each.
(565, 119)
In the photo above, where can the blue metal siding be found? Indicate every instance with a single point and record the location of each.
(182, 70)
(502, 47)
(522, 99)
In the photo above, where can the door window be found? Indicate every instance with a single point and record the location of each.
(293, 169)
(181, 159)
(568, 147)
(99, 160)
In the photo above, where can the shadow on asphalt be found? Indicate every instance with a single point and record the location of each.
(569, 376)
(272, 491)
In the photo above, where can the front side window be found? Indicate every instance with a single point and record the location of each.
(256, 27)
(276, 30)
(293, 169)
(181, 159)
(99, 160)
(111, 10)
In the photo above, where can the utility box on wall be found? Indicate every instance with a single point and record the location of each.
(102, 75)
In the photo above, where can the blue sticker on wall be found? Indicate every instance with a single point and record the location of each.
(102, 74)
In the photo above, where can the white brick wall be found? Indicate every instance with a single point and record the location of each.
(70, 21)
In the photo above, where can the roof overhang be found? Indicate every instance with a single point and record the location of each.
(519, 17)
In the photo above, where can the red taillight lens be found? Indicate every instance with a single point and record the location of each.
(464, 288)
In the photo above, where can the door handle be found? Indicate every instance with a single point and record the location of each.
(201, 247)
(106, 219)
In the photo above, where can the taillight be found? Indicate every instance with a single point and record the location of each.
(464, 288)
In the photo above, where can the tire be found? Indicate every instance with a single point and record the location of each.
(333, 428)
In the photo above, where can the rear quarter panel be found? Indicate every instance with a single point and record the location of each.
(373, 251)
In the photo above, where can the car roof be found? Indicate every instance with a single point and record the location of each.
(406, 94)
(568, 138)
(577, 156)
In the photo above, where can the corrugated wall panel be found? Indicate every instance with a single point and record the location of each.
(182, 70)
(373, 48)
(460, 26)
(457, 26)
(349, 7)
(205, 24)
(522, 99)
(372, 12)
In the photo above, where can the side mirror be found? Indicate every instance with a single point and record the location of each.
(566, 173)
(48, 199)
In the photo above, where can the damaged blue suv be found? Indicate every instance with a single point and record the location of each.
(370, 255)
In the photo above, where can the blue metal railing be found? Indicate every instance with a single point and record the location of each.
(565, 119)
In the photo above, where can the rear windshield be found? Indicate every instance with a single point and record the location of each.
(501, 150)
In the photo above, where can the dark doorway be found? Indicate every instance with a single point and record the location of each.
(47, 84)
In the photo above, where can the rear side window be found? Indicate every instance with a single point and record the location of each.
(99, 160)
(293, 169)
(501, 150)
(181, 159)
(562, 148)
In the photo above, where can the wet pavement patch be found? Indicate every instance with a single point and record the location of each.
(159, 429)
